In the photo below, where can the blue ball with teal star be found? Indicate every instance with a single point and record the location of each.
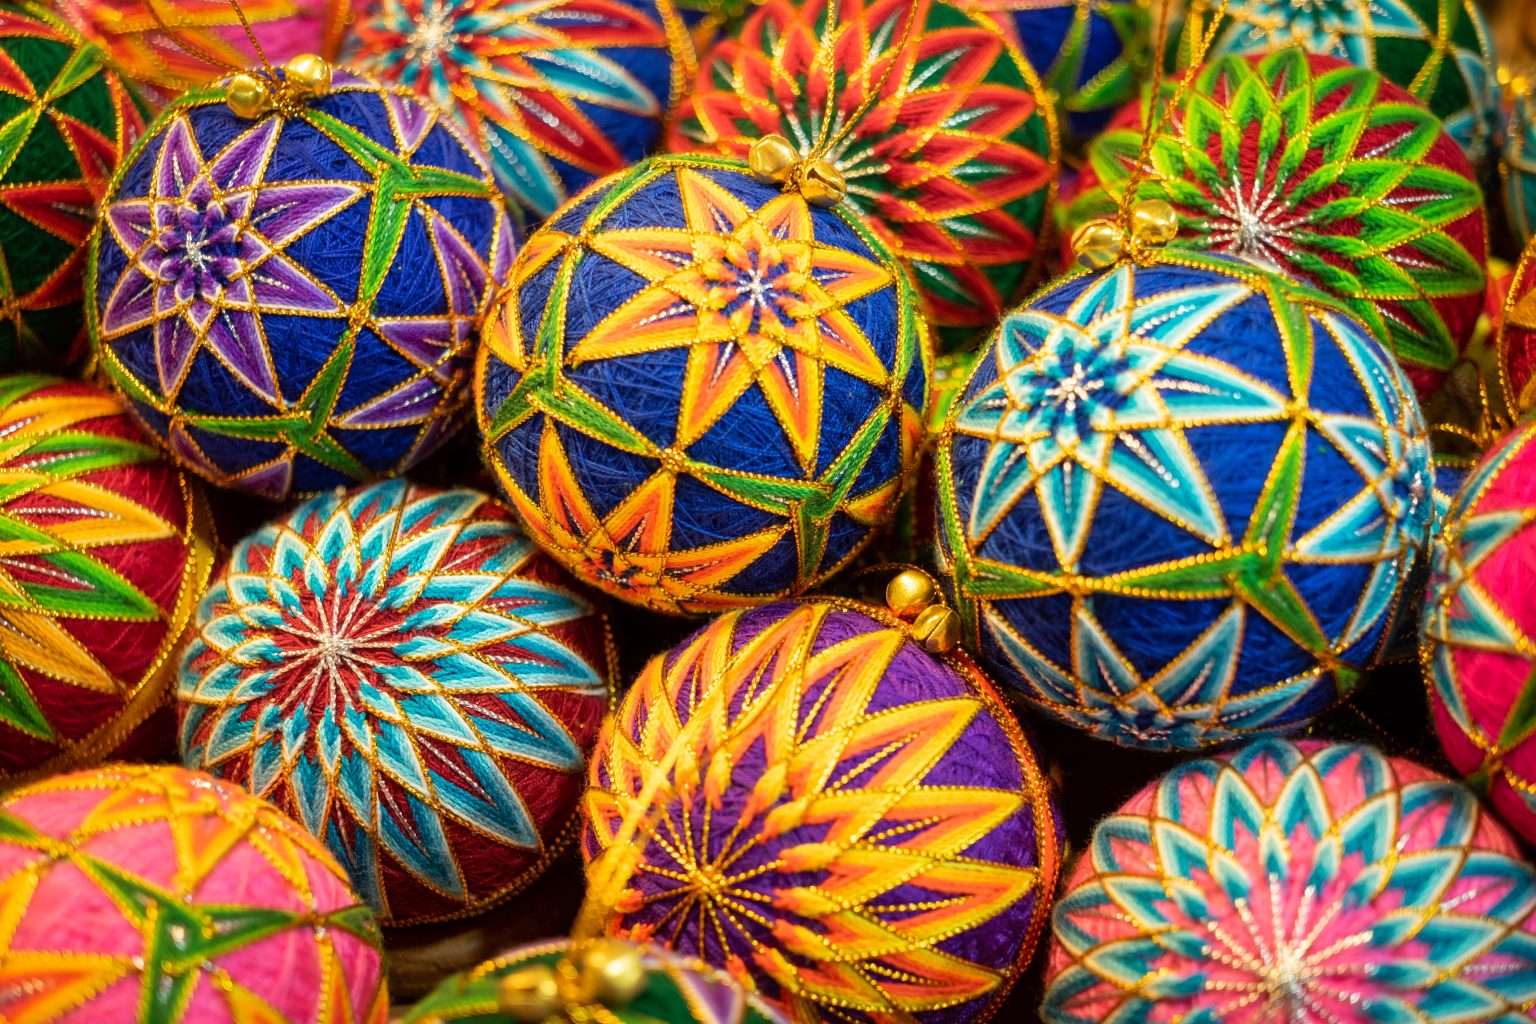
(1179, 501)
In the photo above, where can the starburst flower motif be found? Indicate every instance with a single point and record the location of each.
(1324, 172)
(1299, 882)
(559, 92)
(818, 833)
(403, 673)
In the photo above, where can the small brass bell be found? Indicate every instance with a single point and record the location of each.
(1154, 222)
(308, 75)
(249, 96)
(937, 628)
(823, 184)
(908, 593)
(1098, 243)
(612, 973)
(771, 158)
(530, 995)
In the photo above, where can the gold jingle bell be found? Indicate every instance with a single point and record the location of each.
(771, 158)
(914, 597)
(308, 75)
(1102, 241)
(249, 96)
(305, 77)
(774, 160)
(1154, 222)
(908, 593)
(937, 628)
(612, 973)
(1097, 243)
(531, 994)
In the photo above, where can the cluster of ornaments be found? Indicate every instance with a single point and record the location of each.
(1122, 368)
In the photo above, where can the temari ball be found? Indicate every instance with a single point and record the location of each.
(1439, 50)
(1091, 54)
(676, 990)
(105, 548)
(1323, 171)
(1179, 501)
(854, 824)
(1479, 630)
(66, 121)
(169, 46)
(1517, 163)
(158, 895)
(702, 392)
(403, 672)
(1305, 882)
(1515, 342)
(939, 125)
(557, 93)
(290, 302)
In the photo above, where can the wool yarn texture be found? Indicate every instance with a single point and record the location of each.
(1300, 881)
(557, 93)
(1091, 54)
(170, 46)
(855, 825)
(1441, 51)
(107, 548)
(1479, 630)
(399, 669)
(676, 990)
(289, 302)
(1325, 172)
(701, 392)
(138, 893)
(1517, 163)
(940, 127)
(66, 121)
(1179, 501)
(1515, 340)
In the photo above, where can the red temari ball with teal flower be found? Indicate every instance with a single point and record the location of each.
(139, 893)
(403, 672)
(1479, 630)
(1323, 171)
(852, 824)
(288, 302)
(1304, 882)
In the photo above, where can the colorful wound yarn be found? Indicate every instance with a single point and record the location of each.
(1515, 342)
(1479, 630)
(675, 990)
(557, 93)
(1091, 54)
(155, 894)
(1179, 501)
(881, 844)
(1517, 162)
(700, 391)
(173, 45)
(104, 551)
(936, 121)
(1439, 50)
(1323, 171)
(66, 120)
(400, 669)
(1305, 882)
(289, 301)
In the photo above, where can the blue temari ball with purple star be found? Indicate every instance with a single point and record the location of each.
(290, 301)
(1179, 500)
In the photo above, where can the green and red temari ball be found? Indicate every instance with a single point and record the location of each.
(1325, 172)
(66, 120)
(937, 121)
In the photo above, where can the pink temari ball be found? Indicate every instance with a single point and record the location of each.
(157, 895)
(1296, 883)
(1479, 630)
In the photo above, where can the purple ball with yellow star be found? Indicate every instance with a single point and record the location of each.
(700, 391)
(289, 301)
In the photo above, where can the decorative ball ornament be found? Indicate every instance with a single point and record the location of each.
(1517, 163)
(941, 131)
(701, 391)
(1441, 51)
(1323, 171)
(1515, 342)
(609, 981)
(1179, 501)
(170, 46)
(1479, 630)
(1091, 54)
(289, 277)
(1306, 882)
(67, 120)
(557, 93)
(107, 548)
(881, 842)
(403, 672)
(155, 894)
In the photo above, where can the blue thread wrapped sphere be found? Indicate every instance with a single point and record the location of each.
(699, 391)
(1179, 500)
(289, 302)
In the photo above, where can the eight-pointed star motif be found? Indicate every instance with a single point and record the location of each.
(206, 255)
(1101, 394)
(754, 297)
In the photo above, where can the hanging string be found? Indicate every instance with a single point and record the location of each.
(171, 33)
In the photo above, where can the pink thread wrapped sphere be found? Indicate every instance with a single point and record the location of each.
(1479, 630)
(157, 895)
